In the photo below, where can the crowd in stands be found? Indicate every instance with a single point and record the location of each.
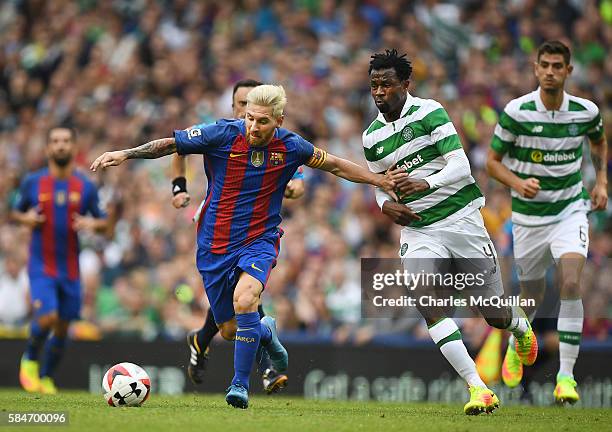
(124, 72)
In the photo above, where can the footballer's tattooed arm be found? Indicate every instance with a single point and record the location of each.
(597, 162)
(599, 156)
(151, 150)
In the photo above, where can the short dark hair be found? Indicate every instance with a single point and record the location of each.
(62, 126)
(555, 47)
(245, 83)
(391, 60)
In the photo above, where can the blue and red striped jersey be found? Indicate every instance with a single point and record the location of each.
(54, 249)
(245, 183)
(299, 174)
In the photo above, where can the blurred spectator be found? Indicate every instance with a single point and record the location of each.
(14, 298)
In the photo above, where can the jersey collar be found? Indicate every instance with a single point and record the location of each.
(540, 105)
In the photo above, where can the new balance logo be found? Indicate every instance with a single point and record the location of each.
(537, 129)
(379, 150)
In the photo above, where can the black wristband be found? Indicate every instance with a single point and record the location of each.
(179, 185)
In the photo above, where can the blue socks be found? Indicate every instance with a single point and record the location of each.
(266, 334)
(264, 363)
(54, 348)
(249, 335)
(53, 353)
(37, 339)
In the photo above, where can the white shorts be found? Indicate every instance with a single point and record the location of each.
(537, 248)
(464, 238)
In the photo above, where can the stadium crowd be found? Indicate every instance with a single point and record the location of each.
(124, 72)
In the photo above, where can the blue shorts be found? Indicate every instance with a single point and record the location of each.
(59, 295)
(220, 273)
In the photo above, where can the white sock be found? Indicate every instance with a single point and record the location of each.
(511, 339)
(447, 336)
(518, 324)
(569, 326)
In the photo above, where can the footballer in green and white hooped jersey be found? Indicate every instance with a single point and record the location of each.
(537, 152)
(438, 205)
(424, 142)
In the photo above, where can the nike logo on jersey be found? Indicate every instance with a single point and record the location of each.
(233, 155)
(256, 268)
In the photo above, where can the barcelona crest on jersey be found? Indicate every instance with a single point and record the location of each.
(277, 158)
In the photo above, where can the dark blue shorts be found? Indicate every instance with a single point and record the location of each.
(59, 295)
(220, 273)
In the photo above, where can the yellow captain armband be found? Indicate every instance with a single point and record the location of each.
(317, 159)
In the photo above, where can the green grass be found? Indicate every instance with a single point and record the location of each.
(207, 413)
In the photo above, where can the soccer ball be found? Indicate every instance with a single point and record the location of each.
(126, 384)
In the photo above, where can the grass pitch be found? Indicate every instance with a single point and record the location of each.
(197, 412)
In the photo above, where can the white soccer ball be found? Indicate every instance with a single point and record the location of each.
(126, 384)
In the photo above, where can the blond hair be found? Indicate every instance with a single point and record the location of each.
(269, 96)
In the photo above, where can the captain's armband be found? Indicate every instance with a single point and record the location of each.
(317, 159)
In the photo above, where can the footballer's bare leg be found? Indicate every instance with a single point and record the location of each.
(227, 330)
(535, 290)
